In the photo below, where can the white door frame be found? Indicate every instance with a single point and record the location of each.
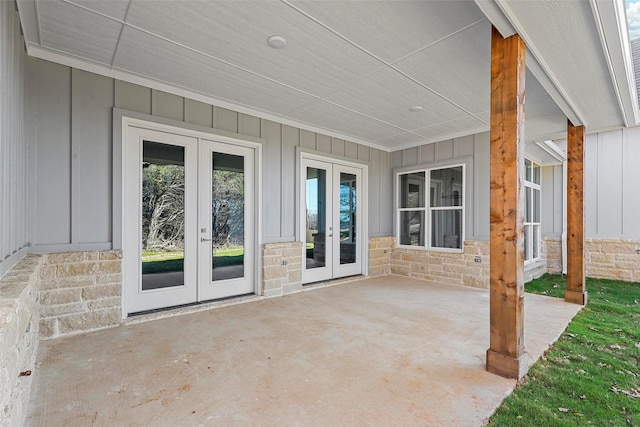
(362, 226)
(131, 269)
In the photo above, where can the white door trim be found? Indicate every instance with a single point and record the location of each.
(305, 157)
(121, 164)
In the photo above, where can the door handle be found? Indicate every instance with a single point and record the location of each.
(202, 239)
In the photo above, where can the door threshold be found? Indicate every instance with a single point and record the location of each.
(332, 282)
(161, 313)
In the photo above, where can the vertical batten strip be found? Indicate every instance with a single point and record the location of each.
(506, 355)
(576, 286)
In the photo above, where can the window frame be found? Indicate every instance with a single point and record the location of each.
(428, 209)
(530, 166)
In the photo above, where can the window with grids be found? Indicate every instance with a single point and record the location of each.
(430, 209)
(532, 211)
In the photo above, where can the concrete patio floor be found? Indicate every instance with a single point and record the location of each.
(381, 351)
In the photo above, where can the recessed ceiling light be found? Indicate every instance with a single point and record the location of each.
(416, 108)
(277, 42)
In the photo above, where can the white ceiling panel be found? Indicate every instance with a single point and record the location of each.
(314, 59)
(405, 139)
(329, 116)
(76, 31)
(387, 95)
(116, 9)
(351, 68)
(459, 68)
(393, 29)
(452, 129)
(158, 59)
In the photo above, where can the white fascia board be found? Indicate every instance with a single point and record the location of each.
(611, 23)
(553, 150)
(105, 70)
(496, 17)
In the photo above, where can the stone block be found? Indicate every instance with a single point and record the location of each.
(8, 310)
(104, 279)
(62, 309)
(274, 283)
(378, 270)
(110, 255)
(60, 296)
(86, 321)
(71, 282)
(64, 258)
(101, 291)
(272, 292)
(274, 272)
(48, 327)
(268, 261)
(294, 276)
(108, 267)
(91, 256)
(76, 269)
(104, 303)
(401, 270)
(47, 273)
(293, 254)
(419, 267)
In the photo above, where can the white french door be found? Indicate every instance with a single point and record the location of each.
(331, 220)
(188, 219)
(226, 247)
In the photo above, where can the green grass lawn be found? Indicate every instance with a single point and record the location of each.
(591, 375)
(163, 262)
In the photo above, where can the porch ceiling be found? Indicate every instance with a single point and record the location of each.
(349, 69)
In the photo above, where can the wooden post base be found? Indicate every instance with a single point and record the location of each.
(576, 297)
(507, 366)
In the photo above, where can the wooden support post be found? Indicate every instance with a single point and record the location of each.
(506, 355)
(576, 286)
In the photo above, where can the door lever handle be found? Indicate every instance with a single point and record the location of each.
(202, 239)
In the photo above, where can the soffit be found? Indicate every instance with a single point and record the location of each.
(350, 69)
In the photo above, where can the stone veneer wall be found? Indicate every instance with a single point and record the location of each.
(18, 338)
(281, 268)
(80, 291)
(613, 259)
(380, 249)
(470, 268)
(551, 251)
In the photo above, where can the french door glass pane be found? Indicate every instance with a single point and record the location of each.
(446, 229)
(227, 216)
(347, 218)
(536, 241)
(162, 215)
(412, 228)
(315, 238)
(536, 205)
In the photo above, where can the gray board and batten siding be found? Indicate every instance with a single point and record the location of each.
(612, 184)
(16, 177)
(71, 115)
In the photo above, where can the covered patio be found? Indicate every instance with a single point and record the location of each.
(374, 351)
